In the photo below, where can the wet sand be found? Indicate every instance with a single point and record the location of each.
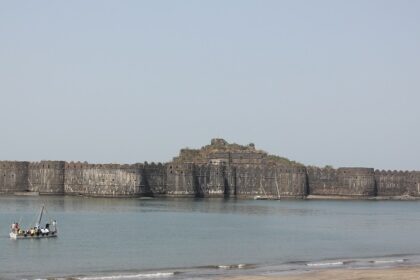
(400, 273)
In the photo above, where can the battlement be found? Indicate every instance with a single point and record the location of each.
(218, 169)
(356, 170)
(86, 165)
(396, 172)
(13, 164)
(48, 164)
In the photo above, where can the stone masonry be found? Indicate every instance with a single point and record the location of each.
(216, 170)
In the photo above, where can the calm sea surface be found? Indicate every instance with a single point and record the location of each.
(132, 238)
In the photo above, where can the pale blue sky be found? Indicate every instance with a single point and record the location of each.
(320, 82)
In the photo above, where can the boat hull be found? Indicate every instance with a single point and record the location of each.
(15, 236)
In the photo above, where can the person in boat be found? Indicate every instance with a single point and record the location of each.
(13, 227)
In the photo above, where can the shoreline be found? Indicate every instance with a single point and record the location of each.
(405, 267)
(403, 272)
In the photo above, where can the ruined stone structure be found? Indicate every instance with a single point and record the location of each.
(216, 170)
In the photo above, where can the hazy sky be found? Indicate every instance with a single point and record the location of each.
(320, 82)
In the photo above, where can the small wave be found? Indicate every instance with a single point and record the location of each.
(130, 276)
(234, 266)
(325, 264)
(389, 261)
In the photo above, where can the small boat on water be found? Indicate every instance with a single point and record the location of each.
(38, 231)
(261, 197)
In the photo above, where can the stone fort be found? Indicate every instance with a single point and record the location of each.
(216, 170)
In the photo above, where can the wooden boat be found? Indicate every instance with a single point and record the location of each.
(48, 231)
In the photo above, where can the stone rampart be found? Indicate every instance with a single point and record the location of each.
(13, 176)
(214, 180)
(180, 179)
(397, 183)
(216, 170)
(112, 180)
(271, 181)
(46, 177)
(341, 182)
(153, 179)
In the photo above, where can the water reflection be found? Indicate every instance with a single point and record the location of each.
(29, 205)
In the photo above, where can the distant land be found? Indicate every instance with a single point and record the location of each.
(220, 169)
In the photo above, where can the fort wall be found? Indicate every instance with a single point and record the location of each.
(180, 179)
(46, 177)
(108, 180)
(397, 183)
(153, 179)
(216, 170)
(271, 181)
(341, 182)
(13, 176)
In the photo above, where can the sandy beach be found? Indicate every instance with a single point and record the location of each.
(400, 273)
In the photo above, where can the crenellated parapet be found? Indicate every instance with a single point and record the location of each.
(86, 165)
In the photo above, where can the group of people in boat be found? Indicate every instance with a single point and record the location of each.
(34, 231)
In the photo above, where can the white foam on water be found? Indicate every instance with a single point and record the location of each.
(389, 261)
(131, 276)
(325, 264)
(232, 266)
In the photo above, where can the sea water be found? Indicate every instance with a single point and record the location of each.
(113, 238)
